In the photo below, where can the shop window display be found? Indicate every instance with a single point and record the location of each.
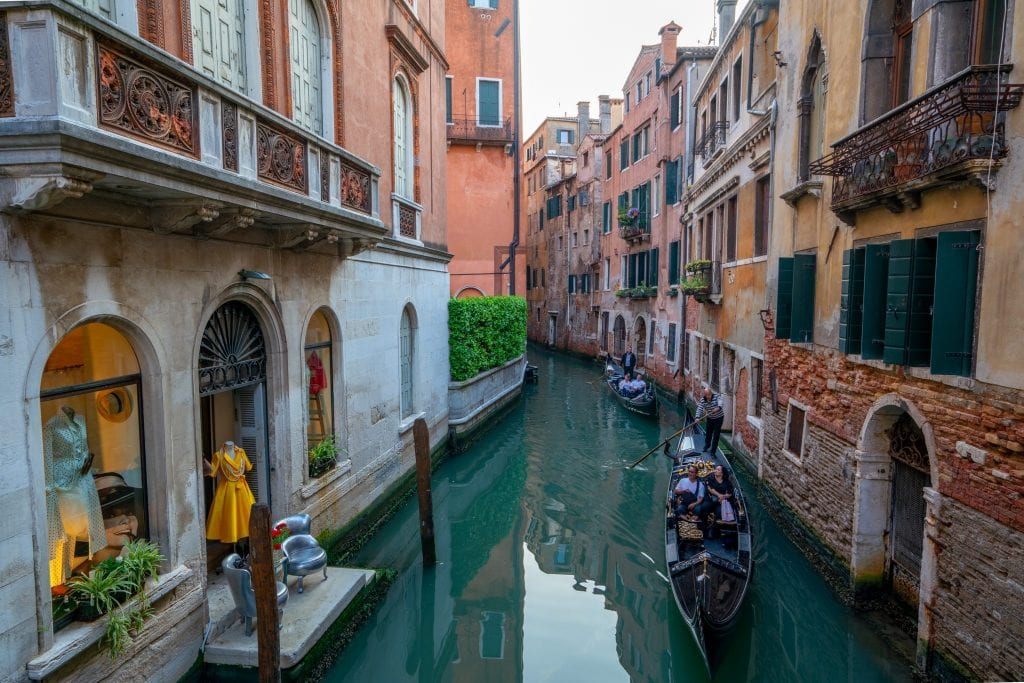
(320, 403)
(93, 460)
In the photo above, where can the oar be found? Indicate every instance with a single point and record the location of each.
(658, 445)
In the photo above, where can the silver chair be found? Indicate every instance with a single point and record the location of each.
(240, 583)
(303, 555)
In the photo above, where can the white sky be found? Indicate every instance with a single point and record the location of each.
(575, 50)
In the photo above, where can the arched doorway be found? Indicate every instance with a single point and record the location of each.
(620, 336)
(640, 341)
(232, 370)
(907, 507)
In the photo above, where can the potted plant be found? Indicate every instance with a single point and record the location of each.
(624, 216)
(696, 286)
(698, 266)
(100, 591)
(622, 292)
(141, 561)
(64, 605)
(322, 457)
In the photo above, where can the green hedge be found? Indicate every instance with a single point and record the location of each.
(485, 332)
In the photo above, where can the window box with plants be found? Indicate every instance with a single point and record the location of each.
(323, 457)
(698, 267)
(642, 291)
(629, 217)
(696, 286)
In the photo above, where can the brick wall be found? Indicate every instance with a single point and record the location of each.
(979, 597)
(744, 435)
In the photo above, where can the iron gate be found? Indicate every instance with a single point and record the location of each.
(907, 523)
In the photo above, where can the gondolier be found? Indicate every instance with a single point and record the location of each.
(709, 407)
(629, 361)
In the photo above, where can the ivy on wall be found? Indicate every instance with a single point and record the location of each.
(485, 332)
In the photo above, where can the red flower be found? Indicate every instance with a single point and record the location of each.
(277, 546)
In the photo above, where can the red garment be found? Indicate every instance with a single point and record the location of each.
(317, 377)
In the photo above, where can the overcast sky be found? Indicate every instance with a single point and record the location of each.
(578, 49)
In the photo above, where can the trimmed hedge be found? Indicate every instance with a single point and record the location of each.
(485, 332)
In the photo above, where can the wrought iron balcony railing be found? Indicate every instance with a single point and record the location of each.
(468, 129)
(713, 140)
(946, 135)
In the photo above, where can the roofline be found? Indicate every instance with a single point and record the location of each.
(734, 32)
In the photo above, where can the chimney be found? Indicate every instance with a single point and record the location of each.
(669, 41)
(604, 106)
(726, 17)
(582, 120)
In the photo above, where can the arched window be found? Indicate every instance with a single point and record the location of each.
(406, 351)
(220, 41)
(305, 39)
(812, 108)
(320, 395)
(93, 460)
(402, 130)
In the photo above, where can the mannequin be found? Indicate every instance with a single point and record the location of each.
(233, 500)
(72, 505)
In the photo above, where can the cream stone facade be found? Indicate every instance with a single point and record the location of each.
(185, 258)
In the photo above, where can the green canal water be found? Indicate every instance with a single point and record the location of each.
(551, 566)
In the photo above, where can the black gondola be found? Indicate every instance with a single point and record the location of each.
(709, 577)
(644, 404)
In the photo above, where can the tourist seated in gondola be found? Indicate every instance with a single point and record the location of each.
(691, 494)
(632, 387)
(720, 490)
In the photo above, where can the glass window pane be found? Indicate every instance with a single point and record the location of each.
(320, 380)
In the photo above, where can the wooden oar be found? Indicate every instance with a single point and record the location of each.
(658, 445)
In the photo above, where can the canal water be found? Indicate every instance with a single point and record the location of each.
(551, 566)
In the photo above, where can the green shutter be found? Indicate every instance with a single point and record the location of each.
(919, 343)
(897, 301)
(851, 302)
(876, 274)
(623, 154)
(448, 99)
(652, 279)
(784, 299)
(956, 282)
(671, 181)
(804, 267)
(632, 270)
(572, 284)
(673, 263)
(608, 164)
(489, 112)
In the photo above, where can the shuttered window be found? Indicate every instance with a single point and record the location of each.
(306, 57)
(632, 270)
(652, 278)
(608, 164)
(730, 230)
(448, 104)
(876, 275)
(675, 109)
(956, 281)
(572, 284)
(672, 182)
(528, 283)
(784, 299)
(623, 154)
(606, 218)
(219, 52)
(909, 296)
(804, 266)
(402, 130)
(673, 262)
(488, 102)
(851, 301)
(405, 363)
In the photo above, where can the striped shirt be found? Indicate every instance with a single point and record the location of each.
(710, 407)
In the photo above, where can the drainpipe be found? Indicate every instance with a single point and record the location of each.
(517, 125)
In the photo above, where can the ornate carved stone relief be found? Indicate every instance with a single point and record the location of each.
(355, 189)
(229, 135)
(280, 157)
(325, 178)
(6, 75)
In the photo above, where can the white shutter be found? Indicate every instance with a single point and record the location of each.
(406, 364)
(250, 411)
(218, 27)
(401, 143)
(307, 105)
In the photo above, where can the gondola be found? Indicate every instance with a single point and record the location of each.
(709, 577)
(644, 404)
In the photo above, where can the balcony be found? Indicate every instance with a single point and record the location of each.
(953, 133)
(95, 119)
(713, 141)
(466, 130)
(635, 226)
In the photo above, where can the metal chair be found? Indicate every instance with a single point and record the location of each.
(240, 583)
(303, 555)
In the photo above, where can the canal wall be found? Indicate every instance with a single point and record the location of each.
(473, 403)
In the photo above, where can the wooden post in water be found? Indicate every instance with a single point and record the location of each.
(421, 437)
(264, 583)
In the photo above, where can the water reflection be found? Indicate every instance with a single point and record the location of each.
(551, 566)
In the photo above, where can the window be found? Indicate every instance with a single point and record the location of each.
(448, 105)
(730, 230)
(484, 4)
(676, 108)
(492, 628)
(406, 355)
(624, 155)
(737, 75)
(307, 63)
(687, 350)
(488, 102)
(670, 354)
(571, 204)
(554, 206)
(912, 302)
(607, 273)
(672, 181)
(606, 217)
(655, 197)
(572, 284)
(988, 31)
(647, 84)
(639, 89)
(716, 360)
(756, 385)
(762, 206)
(608, 165)
(796, 424)
(219, 50)
(540, 218)
(640, 144)
(91, 420)
(542, 281)
(319, 373)
(650, 338)
(573, 240)
(559, 243)
(402, 132)
(586, 237)
(794, 318)
(673, 262)
(903, 36)
(811, 110)
(566, 136)
(586, 159)
(529, 283)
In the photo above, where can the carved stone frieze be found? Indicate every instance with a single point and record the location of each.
(280, 157)
(229, 135)
(6, 74)
(141, 102)
(355, 189)
(406, 221)
(227, 222)
(325, 178)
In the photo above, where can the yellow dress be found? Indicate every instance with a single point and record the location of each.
(229, 515)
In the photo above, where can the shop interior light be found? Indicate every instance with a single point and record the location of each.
(252, 275)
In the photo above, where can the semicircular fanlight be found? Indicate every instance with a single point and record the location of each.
(232, 353)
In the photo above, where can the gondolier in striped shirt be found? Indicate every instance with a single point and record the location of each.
(709, 408)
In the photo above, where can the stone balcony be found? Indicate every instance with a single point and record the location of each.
(468, 130)
(953, 133)
(98, 125)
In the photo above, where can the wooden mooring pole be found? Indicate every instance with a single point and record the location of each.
(264, 583)
(421, 437)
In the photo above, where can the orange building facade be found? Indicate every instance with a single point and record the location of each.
(481, 94)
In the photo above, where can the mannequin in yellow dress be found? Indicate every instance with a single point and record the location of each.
(229, 515)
